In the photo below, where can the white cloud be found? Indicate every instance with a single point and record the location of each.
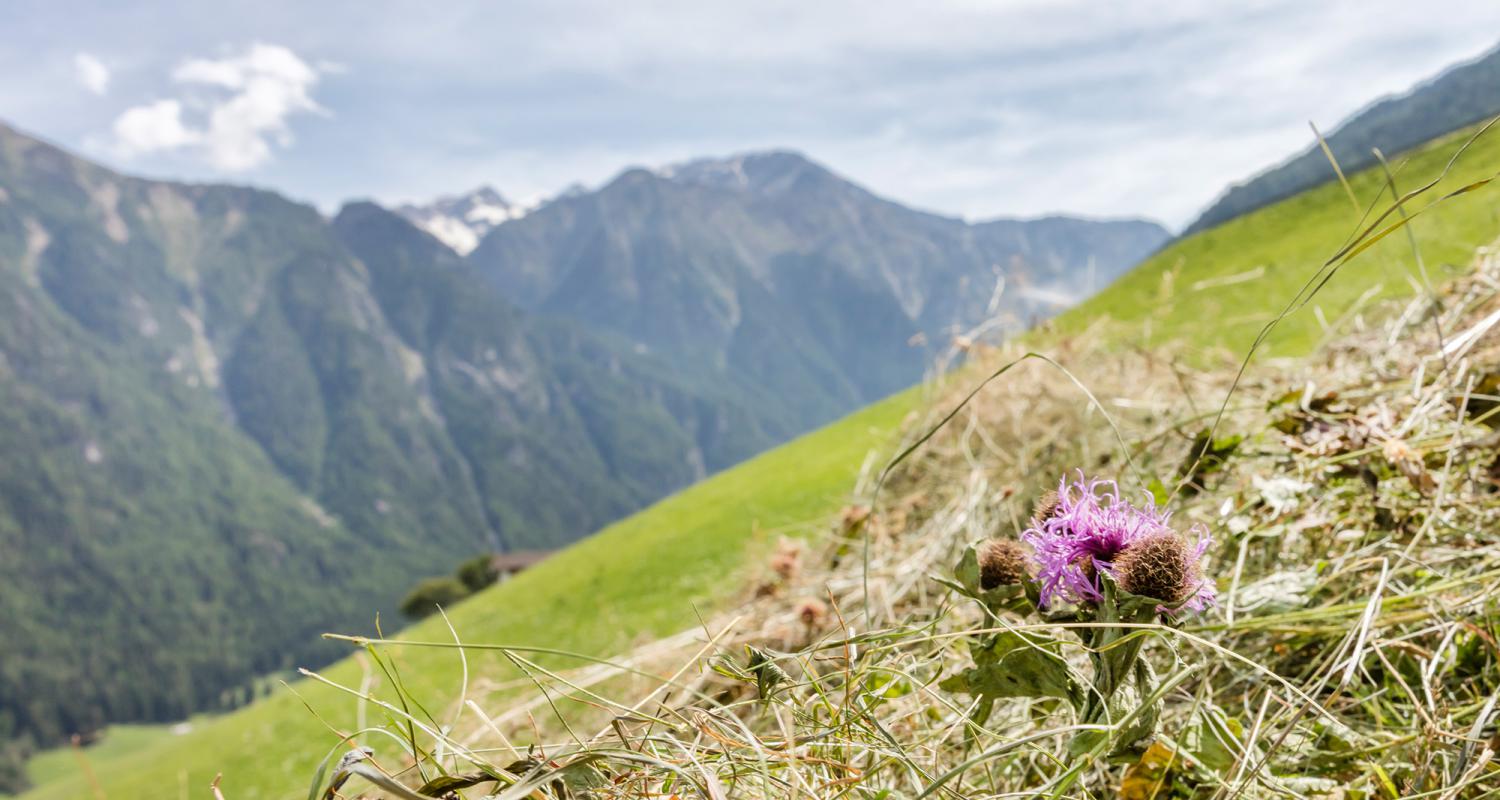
(91, 73)
(1006, 107)
(247, 99)
(152, 128)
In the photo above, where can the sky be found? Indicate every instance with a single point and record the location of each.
(971, 109)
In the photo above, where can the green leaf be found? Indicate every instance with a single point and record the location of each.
(1215, 741)
(768, 675)
(1159, 491)
(1008, 664)
(729, 669)
(1136, 695)
(439, 786)
(1127, 704)
(967, 571)
(1206, 456)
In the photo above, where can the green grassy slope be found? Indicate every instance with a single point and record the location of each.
(121, 742)
(1218, 289)
(639, 577)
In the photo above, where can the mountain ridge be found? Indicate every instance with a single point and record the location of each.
(745, 229)
(1458, 96)
(221, 382)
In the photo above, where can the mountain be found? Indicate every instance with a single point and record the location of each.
(153, 555)
(561, 429)
(1460, 96)
(226, 431)
(232, 423)
(784, 280)
(461, 221)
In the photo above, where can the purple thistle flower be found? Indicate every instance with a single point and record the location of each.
(1090, 528)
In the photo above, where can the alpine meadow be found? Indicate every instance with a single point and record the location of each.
(760, 426)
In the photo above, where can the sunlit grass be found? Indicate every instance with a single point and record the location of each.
(120, 742)
(1216, 290)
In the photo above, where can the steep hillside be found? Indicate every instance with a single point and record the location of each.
(153, 558)
(541, 409)
(643, 576)
(633, 579)
(1241, 275)
(1462, 95)
(773, 274)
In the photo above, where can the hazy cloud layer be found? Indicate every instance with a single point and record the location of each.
(975, 109)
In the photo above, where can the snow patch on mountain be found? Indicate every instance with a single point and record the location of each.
(461, 221)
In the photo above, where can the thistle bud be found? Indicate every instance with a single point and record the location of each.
(787, 560)
(1045, 508)
(1002, 562)
(812, 612)
(1160, 566)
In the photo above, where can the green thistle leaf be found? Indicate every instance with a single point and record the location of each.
(1008, 664)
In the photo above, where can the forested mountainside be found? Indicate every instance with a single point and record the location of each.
(1459, 96)
(231, 423)
(225, 434)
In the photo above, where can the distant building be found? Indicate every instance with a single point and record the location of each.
(508, 564)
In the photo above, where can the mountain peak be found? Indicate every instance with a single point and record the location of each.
(752, 171)
(460, 221)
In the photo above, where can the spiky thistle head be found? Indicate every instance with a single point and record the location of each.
(1165, 566)
(1002, 562)
(1089, 528)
